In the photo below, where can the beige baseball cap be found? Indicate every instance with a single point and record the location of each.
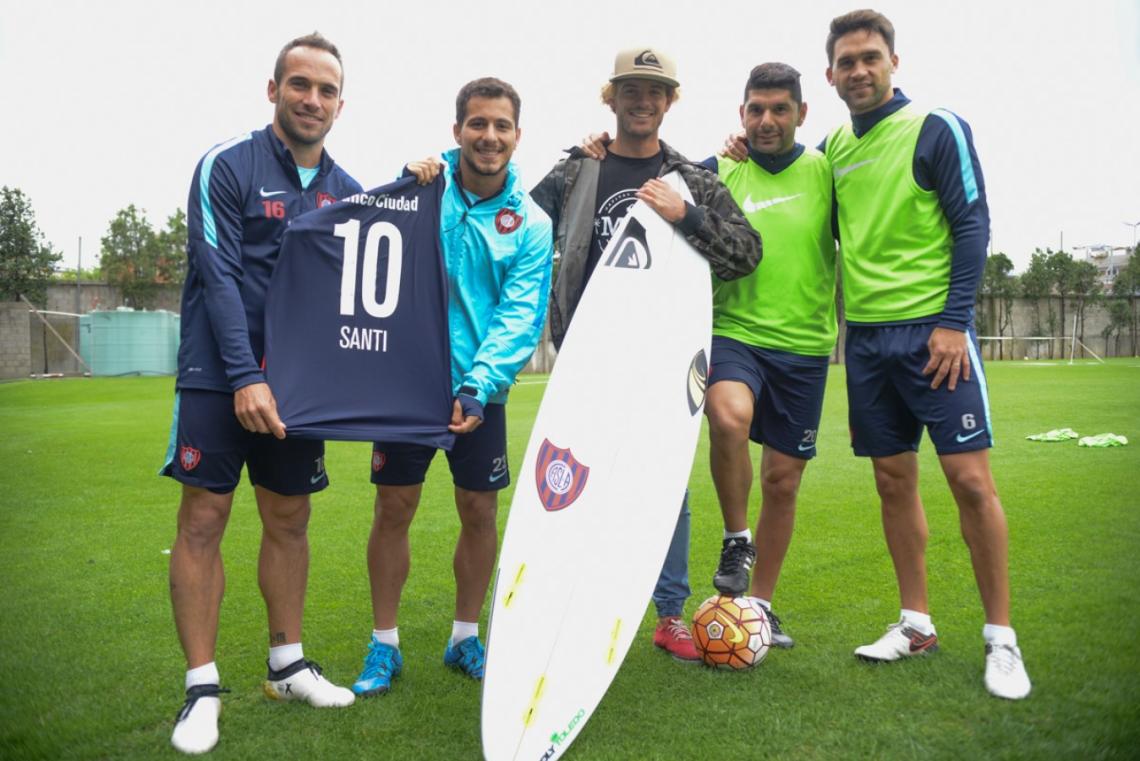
(645, 63)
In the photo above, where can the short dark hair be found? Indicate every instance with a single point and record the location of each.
(775, 76)
(314, 40)
(865, 19)
(486, 87)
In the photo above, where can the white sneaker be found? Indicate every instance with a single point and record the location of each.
(1005, 672)
(302, 680)
(196, 726)
(900, 641)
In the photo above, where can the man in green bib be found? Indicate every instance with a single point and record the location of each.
(773, 332)
(913, 227)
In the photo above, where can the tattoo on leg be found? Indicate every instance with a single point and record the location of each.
(277, 638)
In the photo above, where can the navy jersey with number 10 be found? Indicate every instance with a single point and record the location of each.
(356, 344)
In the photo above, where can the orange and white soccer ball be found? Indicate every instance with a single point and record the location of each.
(731, 632)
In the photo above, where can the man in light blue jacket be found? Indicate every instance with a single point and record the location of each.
(497, 246)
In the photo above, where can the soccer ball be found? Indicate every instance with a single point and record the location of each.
(731, 632)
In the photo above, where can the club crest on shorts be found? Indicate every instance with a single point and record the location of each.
(378, 460)
(189, 457)
(559, 477)
(507, 221)
(324, 199)
(631, 250)
(698, 381)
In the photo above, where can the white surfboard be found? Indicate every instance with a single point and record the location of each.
(600, 489)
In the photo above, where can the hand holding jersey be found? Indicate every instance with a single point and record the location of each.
(497, 252)
(243, 195)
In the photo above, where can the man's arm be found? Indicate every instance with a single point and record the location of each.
(945, 161)
(214, 246)
(716, 227)
(548, 193)
(517, 323)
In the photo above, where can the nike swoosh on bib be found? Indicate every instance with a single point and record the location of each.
(843, 170)
(267, 194)
(751, 206)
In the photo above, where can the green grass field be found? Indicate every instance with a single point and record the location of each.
(90, 665)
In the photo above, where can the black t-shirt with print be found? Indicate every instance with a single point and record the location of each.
(618, 179)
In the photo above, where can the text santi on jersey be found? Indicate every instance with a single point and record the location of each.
(363, 339)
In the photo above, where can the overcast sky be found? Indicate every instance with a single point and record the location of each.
(113, 103)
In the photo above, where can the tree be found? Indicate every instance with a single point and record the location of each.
(1084, 286)
(998, 285)
(26, 259)
(1119, 316)
(1037, 284)
(129, 258)
(1127, 284)
(172, 249)
(1060, 267)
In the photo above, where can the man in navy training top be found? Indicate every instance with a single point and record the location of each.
(243, 195)
(497, 250)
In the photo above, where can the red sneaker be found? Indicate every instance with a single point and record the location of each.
(672, 636)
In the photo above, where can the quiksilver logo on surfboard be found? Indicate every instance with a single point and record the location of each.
(631, 250)
(559, 477)
(698, 381)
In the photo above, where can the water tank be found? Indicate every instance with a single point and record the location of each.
(129, 342)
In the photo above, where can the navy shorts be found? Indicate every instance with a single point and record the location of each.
(208, 447)
(787, 388)
(890, 400)
(478, 460)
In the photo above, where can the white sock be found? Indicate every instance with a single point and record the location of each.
(999, 635)
(205, 674)
(746, 533)
(461, 630)
(285, 655)
(765, 604)
(916, 620)
(387, 636)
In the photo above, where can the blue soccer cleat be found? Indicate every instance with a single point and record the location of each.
(381, 666)
(467, 656)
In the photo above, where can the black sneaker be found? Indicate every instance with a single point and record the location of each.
(779, 638)
(736, 558)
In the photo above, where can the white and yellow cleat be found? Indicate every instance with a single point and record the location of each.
(302, 680)
(1005, 672)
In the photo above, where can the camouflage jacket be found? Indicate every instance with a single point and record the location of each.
(714, 225)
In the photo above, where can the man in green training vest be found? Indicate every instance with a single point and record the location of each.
(773, 332)
(913, 227)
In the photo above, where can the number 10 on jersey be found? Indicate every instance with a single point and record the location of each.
(378, 231)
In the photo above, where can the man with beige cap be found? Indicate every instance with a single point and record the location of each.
(586, 198)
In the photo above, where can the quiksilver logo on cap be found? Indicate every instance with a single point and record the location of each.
(647, 58)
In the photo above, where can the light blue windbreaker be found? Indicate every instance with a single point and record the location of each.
(498, 253)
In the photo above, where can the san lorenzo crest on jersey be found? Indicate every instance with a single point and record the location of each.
(324, 199)
(698, 381)
(559, 477)
(189, 457)
(631, 250)
(507, 221)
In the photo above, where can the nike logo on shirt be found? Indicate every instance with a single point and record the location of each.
(267, 194)
(751, 206)
(843, 170)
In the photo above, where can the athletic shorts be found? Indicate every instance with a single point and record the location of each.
(208, 447)
(478, 460)
(787, 389)
(890, 400)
